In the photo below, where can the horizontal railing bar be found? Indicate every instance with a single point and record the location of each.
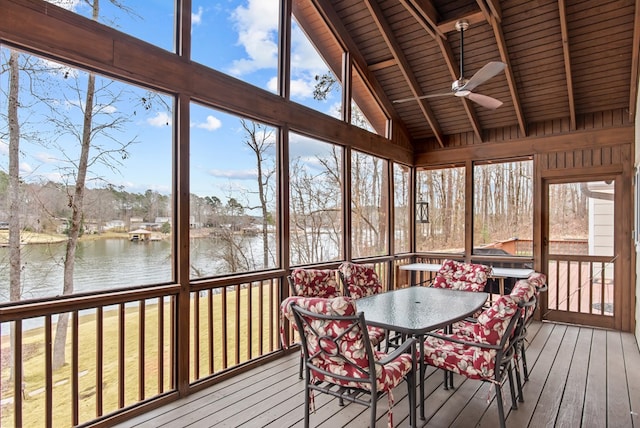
(579, 258)
(31, 309)
(228, 281)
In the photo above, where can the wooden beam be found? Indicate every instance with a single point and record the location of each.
(504, 55)
(342, 35)
(423, 10)
(635, 75)
(562, 7)
(473, 18)
(405, 68)
(528, 146)
(382, 64)
(496, 10)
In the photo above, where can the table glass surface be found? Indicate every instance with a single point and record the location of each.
(418, 310)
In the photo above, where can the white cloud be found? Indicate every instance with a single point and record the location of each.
(257, 26)
(196, 18)
(248, 174)
(66, 4)
(160, 119)
(211, 124)
(25, 168)
(45, 157)
(302, 88)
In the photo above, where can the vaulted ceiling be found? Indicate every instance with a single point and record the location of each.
(566, 60)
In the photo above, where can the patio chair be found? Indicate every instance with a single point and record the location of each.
(539, 281)
(313, 283)
(524, 295)
(461, 276)
(486, 354)
(359, 280)
(340, 360)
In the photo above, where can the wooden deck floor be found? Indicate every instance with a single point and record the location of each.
(580, 377)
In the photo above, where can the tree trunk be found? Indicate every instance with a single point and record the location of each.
(14, 191)
(76, 205)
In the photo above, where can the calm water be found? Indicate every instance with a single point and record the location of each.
(100, 265)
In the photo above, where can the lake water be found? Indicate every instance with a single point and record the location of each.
(102, 264)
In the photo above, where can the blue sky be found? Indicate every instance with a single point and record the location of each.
(237, 37)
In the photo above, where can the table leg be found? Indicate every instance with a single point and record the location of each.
(501, 281)
(422, 370)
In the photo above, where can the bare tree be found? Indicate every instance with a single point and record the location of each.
(259, 138)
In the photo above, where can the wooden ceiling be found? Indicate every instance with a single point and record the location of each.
(565, 60)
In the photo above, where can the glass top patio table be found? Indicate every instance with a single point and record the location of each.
(418, 310)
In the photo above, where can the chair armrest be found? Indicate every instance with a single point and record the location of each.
(465, 342)
(401, 349)
(528, 303)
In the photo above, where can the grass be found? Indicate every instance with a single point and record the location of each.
(34, 410)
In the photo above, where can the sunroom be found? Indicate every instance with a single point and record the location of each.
(252, 137)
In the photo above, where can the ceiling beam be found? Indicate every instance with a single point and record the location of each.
(342, 35)
(427, 19)
(562, 6)
(633, 95)
(494, 6)
(511, 81)
(382, 64)
(473, 18)
(403, 65)
(429, 13)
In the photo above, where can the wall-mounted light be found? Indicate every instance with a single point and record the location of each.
(422, 212)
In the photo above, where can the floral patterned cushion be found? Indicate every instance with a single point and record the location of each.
(538, 279)
(351, 345)
(522, 291)
(493, 322)
(461, 276)
(474, 362)
(376, 334)
(360, 280)
(315, 282)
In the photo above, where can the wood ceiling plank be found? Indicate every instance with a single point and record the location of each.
(502, 47)
(387, 34)
(336, 26)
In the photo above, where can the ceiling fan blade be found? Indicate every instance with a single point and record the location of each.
(485, 73)
(484, 101)
(404, 100)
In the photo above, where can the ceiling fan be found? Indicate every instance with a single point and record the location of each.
(464, 87)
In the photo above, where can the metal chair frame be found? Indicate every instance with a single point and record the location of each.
(304, 320)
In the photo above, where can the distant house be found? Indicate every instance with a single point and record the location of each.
(139, 235)
(163, 220)
(114, 224)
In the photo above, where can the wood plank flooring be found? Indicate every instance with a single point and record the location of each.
(579, 377)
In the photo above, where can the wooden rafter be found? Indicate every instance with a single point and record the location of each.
(428, 13)
(511, 81)
(342, 35)
(633, 94)
(427, 20)
(403, 64)
(562, 7)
